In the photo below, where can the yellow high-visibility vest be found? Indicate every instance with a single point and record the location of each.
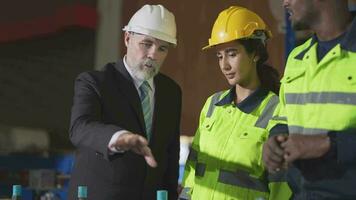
(225, 161)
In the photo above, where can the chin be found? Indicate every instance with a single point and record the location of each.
(232, 82)
(300, 26)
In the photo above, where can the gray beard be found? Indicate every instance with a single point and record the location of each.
(144, 75)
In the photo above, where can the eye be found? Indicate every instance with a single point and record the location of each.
(219, 56)
(146, 45)
(163, 48)
(232, 53)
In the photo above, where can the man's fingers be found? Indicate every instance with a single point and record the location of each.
(140, 147)
(142, 141)
(273, 154)
(275, 158)
(136, 141)
(149, 158)
(281, 138)
(147, 153)
(289, 158)
(151, 161)
(275, 148)
(137, 144)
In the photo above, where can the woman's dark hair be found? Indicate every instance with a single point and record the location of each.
(268, 75)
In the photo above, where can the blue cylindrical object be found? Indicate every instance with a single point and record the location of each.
(16, 190)
(162, 195)
(82, 192)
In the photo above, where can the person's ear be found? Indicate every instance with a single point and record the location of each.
(127, 38)
(256, 58)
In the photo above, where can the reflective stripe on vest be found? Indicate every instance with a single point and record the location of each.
(312, 131)
(279, 118)
(280, 176)
(193, 155)
(344, 98)
(239, 178)
(184, 195)
(306, 131)
(214, 100)
(263, 119)
(242, 179)
(200, 169)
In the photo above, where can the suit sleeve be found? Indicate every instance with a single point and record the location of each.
(87, 128)
(172, 173)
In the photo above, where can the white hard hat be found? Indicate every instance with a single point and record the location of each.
(155, 21)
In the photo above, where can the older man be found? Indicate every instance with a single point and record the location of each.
(125, 118)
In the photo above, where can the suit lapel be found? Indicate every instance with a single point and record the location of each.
(127, 88)
(159, 99)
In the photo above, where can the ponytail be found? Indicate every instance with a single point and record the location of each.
(269, 76)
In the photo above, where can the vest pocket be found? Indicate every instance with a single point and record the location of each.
(244, 149)
(207, 125)
(254, 134)
(292, 74)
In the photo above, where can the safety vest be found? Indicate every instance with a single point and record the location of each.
(318, 98)
(225, 160)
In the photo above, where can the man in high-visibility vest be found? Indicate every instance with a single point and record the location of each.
(318, 97)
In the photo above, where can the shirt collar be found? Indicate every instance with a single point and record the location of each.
(347, 43)
(137, 82)
(247, 105)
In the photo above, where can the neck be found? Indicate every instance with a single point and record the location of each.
(334, 21)
(243, 92)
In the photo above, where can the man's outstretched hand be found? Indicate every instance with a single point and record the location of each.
(136, 143)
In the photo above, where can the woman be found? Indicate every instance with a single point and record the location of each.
(225, 159)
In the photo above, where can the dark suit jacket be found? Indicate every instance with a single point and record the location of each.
(105, 102)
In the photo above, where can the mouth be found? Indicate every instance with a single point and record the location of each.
(230, 75)
(149, 66)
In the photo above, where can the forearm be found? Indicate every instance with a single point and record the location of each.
(319, 148)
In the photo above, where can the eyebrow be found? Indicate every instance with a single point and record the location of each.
(230, 50)
(153, 42)
(147, 40)
(227, 50)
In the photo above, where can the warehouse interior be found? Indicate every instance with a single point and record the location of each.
(44, 45)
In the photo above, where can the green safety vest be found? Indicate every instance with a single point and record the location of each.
(225, 160)
(319, 97)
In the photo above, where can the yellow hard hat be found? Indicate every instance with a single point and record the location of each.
(237, 23)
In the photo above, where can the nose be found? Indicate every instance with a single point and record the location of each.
(152, 53)
(224, 64)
